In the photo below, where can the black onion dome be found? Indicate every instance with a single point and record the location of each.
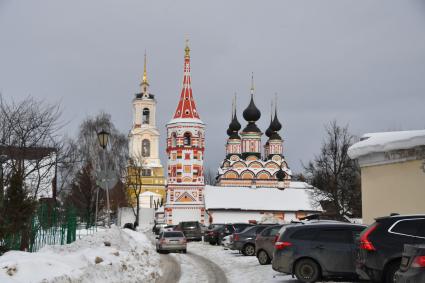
(280, 175)
(251, 113)
(234, 136)
(229, 131)
(235, 125)
(275, 125)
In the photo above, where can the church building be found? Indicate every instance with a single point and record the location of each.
(143, 146)
(185, 151)
(247, 162)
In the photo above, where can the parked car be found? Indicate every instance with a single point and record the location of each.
(381, 245)
(412, 268)
(209, 232)
(317, 250)
(264, 244)
(157, 228)
(171, 241)
(217, 234)
(191, 229)
(244, 241)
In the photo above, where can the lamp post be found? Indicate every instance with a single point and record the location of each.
(3, 158)
(280, 176)
(103, 137)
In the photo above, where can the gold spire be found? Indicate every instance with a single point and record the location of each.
(187, 49)
(252, 83)
(145, 73)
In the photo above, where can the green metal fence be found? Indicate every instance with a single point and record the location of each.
(50, 225)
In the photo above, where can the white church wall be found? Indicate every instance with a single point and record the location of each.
(246, 216)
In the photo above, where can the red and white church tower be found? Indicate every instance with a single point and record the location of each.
(185, 150)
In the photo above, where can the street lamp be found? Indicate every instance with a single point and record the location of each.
(280, 176)
(103, 137)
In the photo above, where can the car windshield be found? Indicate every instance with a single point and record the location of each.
(173, 234)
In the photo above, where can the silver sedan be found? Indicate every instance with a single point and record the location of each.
(168, 241)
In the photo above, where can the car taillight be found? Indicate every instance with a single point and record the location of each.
(282, 245)
(365, 243)
(419, 261)
(235, 237)
(161, 241)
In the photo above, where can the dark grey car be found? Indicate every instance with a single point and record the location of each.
(264, 244)
(191, 230)
(317, 250)
(412, 267)
(245, 240)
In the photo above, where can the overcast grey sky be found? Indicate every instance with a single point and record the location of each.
(360, 62)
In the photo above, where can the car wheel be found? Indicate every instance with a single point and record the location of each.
(219, 242)
(184, 251)
(390, 270)
(248, 250)
(263, 258)
(306, 270)
(212, 242)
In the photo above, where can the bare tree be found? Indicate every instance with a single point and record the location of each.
(134, 181)
(334, 175)
(86, 155)
(30, 142)
(210, 177)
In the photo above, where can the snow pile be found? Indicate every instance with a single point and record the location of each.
(386, 141)
(109, 256)
(266, 199)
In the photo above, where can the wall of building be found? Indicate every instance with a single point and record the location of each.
(224, 216)
(395, 187)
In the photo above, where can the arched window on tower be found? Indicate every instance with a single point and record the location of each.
(146, 148)
(173, 140)
(145, 116)
(187, 139)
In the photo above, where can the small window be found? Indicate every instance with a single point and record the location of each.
(335, 236)
(145, 116)
(187, 139)
(410, 227)
(173, 140)
(146, 148)
(146, 172)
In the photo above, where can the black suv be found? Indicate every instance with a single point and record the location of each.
(317, 250)
(191, 230)
(381, 245)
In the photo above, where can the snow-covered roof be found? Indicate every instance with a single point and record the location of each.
(148, 193)
(266, 199)
(386, 141)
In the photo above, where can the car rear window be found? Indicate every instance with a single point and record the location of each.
(409, 227)
(335, 236)
(240, 227)
(173, 234)
(304, 234)
(190, 224)
(270, 231)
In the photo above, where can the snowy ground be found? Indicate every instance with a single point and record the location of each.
(130, 258)
(238, 268)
